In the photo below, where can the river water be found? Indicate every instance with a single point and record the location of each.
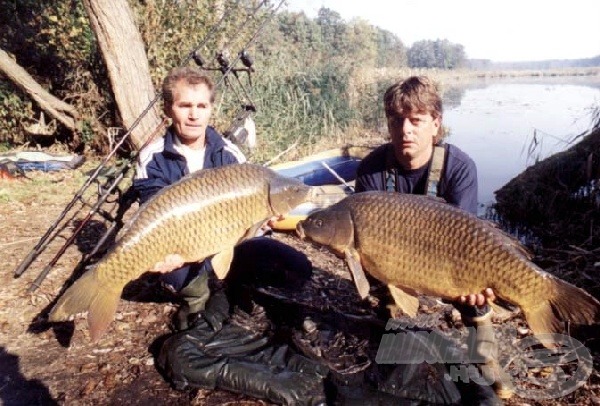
(506, 125)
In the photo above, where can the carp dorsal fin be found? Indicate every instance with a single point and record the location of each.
(358, 274)
(408, 303)
(221, 262)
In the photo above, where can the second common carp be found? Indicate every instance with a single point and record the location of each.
(416, 244)
(204, 214)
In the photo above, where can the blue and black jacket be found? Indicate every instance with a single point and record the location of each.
(160, 165)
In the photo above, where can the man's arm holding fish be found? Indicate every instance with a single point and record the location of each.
(478, 299)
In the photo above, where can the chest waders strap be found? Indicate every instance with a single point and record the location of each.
(390, 180)
(390, 174)
(435, 170)
(433, 177)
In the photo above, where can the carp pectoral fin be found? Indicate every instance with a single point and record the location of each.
(406, 302)
(221, 263)
(252, 231)
(358, 274)
(501, 312)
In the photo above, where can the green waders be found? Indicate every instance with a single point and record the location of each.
(194, 296)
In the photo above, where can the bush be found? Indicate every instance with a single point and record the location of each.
(15, 111)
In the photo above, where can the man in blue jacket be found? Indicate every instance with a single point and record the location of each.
(188, 145)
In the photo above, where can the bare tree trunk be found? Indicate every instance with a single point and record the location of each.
(124, 54)
(56, 108)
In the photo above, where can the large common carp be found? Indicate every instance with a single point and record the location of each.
(416, 244)
(204, 214)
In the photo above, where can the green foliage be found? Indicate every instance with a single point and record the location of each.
(301, 107)
(53, 41)
(87, 133)
(4, 146)
(48, 37)
(391, 51)
(313, 77)
(15, 109)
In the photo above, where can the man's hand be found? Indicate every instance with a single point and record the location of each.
(268, 226)
(478, 299)
(274, 220)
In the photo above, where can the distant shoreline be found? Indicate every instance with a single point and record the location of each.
(445, 76)
(470, 75)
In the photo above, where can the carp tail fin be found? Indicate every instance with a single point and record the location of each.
(87, 294)
(574, 304)
(102, 312)
(565, 303)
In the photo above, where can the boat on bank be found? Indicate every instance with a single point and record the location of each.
(333, 171)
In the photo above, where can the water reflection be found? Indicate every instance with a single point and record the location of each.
(507, 125)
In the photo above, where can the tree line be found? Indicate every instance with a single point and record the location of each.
(357, 42)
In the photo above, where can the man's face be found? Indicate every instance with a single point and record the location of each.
(413, 135)
(190, 112)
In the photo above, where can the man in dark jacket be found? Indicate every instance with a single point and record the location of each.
(235, 359)
(413, 110)
(188, 145)
(414, 114)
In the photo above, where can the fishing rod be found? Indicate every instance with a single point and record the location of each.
(105, 191)
(237, 131)
(111, 185)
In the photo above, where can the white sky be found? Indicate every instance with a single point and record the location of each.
(505, 30)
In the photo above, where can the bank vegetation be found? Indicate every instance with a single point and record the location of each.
(312, 81)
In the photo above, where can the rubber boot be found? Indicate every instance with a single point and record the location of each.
(195, 295)
(483, 351)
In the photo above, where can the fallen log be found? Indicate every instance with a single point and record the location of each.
(54, 107)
